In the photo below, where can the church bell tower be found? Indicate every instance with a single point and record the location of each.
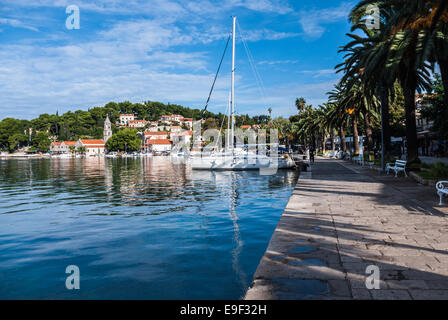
(107, 133)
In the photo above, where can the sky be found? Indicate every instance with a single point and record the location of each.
(168, 51)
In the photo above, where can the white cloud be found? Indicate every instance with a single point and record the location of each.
(319, 73)
(273, 62)
(17, 24)
(156, 7)
(262, 5)
(313, 21)
(266, 34)
(152, 57)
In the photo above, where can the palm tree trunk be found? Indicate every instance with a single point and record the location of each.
(333, 146)
(411, 125)
(342, 136)
(355, 134)
(369, 131)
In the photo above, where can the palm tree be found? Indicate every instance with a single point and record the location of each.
(426, 17)
(306, 127)
(321, 125)
(356, 103)
(337, 120)
(300, 104)
(365, 59)
(405, 50)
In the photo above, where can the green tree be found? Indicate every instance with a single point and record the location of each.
(436, 110)
(300, 104)
(81, 150)
(126, 139)
(41, 141)
(10, 127)
(402, 49)
(16, 140)
(210, 123)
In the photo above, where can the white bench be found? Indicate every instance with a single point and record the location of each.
(442, 189)
(400, 165)
(339, 155)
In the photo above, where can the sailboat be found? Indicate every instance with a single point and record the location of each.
(239, 157)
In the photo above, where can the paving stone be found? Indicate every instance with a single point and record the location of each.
(407, 284)
(390, 295)
(361, 294)
(339, 288)
(429, 294)
(352, 217)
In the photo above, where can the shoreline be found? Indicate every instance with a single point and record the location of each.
(23, 155)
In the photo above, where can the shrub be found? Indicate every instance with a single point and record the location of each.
(439, 170)
(425, 165)
(414, 165)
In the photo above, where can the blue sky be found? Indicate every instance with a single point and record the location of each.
(166, 50)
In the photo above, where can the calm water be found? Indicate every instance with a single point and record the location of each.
(136, 228)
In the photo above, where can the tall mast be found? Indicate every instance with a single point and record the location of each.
(233, 85)
(228, 121)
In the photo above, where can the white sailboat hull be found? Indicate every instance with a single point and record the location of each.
(240, 163)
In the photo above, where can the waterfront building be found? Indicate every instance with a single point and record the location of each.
(156, 135)
(138, 123)
(94, 147)
(125, 118)
(55, 147)
(172, 118)
(65, 146)
(176, 129)
(188, 122)
(181, 138)
(107, 133)
(159, 145)
(61, 147)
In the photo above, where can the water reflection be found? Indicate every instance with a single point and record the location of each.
(137, 228)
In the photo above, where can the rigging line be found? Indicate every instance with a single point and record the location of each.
(216, 76)
(257, 75)
(255, 71)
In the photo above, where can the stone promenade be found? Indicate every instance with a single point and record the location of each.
(343, 218)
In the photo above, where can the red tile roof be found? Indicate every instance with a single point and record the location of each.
(69, 143)
(92, 143)
(158, 141)
(156, 133)
(56, 143)
(184, 133)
